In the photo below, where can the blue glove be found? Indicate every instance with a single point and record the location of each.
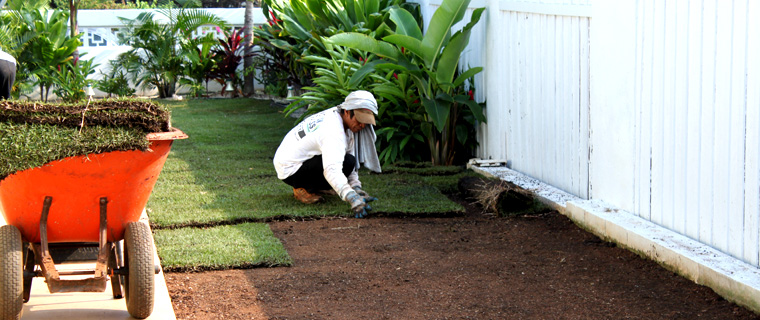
(364, 194)
(358, 204)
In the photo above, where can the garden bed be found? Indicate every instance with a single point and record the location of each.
(475, 266)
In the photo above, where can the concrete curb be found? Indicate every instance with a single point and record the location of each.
(731, 278)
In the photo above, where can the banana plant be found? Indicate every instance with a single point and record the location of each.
(431, 60)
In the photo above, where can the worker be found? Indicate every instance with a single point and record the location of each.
(7, 74)
(321, 154)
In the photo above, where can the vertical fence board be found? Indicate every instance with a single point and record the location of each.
(721, 139)
(737, 137)
(693, 139)
(582, 149)
(707, 90)
(751, 238)
(642, 164)
(680, 116)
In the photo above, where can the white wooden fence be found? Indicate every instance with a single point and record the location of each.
(652, 106)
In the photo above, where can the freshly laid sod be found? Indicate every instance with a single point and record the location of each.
(221, 179)
(223, 247)
(224, 174)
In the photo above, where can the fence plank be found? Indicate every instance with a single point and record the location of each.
(709, 43)
(694, 132)
(680, 115)
(751, 239)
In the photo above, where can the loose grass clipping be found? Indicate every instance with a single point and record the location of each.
(32, 133)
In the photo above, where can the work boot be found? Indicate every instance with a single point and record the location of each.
(305, 196)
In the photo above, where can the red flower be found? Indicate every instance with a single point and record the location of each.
(362, 60)
(395, 76)
(403, 49)
(416, 101)
(472, 95)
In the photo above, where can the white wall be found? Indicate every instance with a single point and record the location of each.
(100, 40)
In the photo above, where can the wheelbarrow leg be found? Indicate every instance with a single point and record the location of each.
(29, 273)
(47, 265)
(114, 263)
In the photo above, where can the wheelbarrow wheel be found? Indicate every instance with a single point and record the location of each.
(139, 281)
(11, 273)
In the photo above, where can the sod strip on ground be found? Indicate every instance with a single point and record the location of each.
(234, 246)
(224, 174)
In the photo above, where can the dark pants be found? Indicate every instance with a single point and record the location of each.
(311, 175)
(7, 77)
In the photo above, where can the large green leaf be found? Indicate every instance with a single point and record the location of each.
(475, 107)
(365, 43)
(466, 75)
(438, 111)
(407, 42)
(362, 72)
(295, 29)
(405, 23)
(449, 59)
(439, 30)
(317, 9)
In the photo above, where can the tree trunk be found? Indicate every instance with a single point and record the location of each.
(248, 88)
(74, 25)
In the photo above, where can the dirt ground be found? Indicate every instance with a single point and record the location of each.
(540, 266)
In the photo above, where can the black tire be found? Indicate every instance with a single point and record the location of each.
(139, 282)
(11, 273)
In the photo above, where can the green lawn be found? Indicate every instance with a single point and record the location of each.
(218, 188)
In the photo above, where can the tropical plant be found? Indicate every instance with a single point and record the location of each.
(230, 55)
(71, 80)
(114, 81)
(298, 28)
(198, 70)
(431, 62)
(110, 4)
(401, 137)
(335, 78)
(159, 49)
(48, 46)
(276, 63)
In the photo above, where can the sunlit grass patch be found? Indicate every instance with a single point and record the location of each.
(222, 247)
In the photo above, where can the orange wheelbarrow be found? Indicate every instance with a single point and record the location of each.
(92, 201)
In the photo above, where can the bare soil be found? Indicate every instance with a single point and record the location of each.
(477, 266)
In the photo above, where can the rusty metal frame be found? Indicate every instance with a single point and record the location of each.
(47, 265)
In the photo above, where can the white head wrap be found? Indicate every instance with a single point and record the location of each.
(360, 99)
(364, 146)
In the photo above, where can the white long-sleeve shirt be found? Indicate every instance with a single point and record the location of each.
(320, 134)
